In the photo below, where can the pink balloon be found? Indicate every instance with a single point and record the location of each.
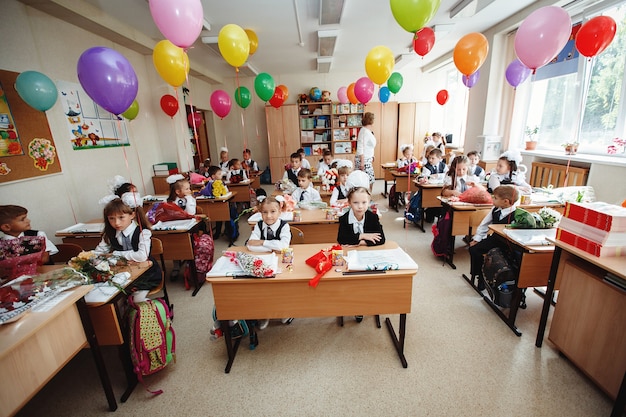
(180, 21)
(542, 35)
(220, 103)
(364, 89)
(342, 95)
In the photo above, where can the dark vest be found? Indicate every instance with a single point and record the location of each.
(436, 169)
(292, 177)
(478, 171)
(31, 232)
(149, 279)
(504, 220)
(277, 234)
(340, 195)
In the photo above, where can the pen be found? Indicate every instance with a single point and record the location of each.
(371, 271)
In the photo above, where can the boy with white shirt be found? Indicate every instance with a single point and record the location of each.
(291, 174)
(305, 192)
(305, 162)
(14, 223)
(324, 163)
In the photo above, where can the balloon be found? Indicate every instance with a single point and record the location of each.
(234, 45)
(194, 117)
(350, 92)
(285, 91)
(264, 86)
(595, 35)
(542, 35)
(442, 97)
(108, 78)
(242, 97)
(364, 89)
(220, 103)
(423, 41)
(383, 94)
(36, 89)
(278, 98)
(379, 64)
(412, 15)
(315, 94)
(180, 21)
(171, 62)
(132, 111)
(471, 80)
(516, 73)
(470, 52)
(254, 40)
(169, 104)
(342, 95)
(394, 83)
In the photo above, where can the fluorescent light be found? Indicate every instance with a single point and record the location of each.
(330, 12)
(206, 24)
(326, 42)
(468, 8)
(324, 64)
(403, 60)
(248, 70)
(443, 29)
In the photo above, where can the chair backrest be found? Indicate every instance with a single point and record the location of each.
(66, 252)
(157, 249)
(199, 210)
(544, 174)
(297, 236)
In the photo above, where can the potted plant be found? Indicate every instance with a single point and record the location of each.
(570, 148)
(531, 137)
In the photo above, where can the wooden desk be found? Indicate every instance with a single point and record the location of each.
(403, 183)
(387, 176)
(289, 295)
(216, 209)
(37, 346)
(430, 192)
(588, 322)
(315, 227)
(242, 189)
(324, 194)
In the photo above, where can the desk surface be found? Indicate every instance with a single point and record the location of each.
(309, 217)
(613, 264)
(500, 229)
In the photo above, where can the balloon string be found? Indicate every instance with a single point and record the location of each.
(193, 122)
(256, 119)
(243, 124)
(130, 177)
(183, 131)
(69, 199)
(143, 182)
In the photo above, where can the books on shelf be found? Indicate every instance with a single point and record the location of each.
(589, 246)
(600, 215)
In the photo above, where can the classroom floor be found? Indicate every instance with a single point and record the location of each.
(463, 361)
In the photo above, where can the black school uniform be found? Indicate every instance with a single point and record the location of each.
(371, 224)
(149, 279)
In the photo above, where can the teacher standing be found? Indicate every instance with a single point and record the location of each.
(365, 145)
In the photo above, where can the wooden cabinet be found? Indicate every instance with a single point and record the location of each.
(283, 136)
(160, 185)
(385, 129)
(413, 119)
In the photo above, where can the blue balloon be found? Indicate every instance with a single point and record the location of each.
(36, 89)
(383, 94)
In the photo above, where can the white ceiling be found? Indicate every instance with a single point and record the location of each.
(364, 24)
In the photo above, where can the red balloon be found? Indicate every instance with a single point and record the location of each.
(169, 104)
(595, 35)
(194, 117)
(423, 41)
(278, 98)
(442, 97)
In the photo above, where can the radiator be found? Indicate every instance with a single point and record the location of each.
(544, 174)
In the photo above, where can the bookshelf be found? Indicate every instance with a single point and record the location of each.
(346, 122)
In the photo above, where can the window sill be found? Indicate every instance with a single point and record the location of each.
(579, 157)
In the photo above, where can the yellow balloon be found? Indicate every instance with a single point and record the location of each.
(379, 64)
(254, 40)
(171, 62)
(234, 45)
(470, 52)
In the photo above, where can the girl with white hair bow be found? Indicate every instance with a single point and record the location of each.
(509, 170)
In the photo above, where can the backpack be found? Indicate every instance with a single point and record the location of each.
(152, 338)
(204, 250)
(413, 212)
(231, 228)
(499, 273)
(441, 246)
(394, 198)
(266, 176)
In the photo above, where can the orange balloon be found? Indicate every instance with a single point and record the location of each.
(285, 91)
(470, 52)
(351, 95)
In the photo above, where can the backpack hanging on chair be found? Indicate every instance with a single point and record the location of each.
(231, 227)
(394, 198)
(413, 212)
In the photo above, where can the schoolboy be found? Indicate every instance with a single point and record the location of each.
(305, 192)
(248, 163)
(324, 163)
(291, 174)
(435, 166)
(14, 223)
(473, 168)
(305, 162)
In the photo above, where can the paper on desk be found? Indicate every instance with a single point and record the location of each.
(175, 225)
(286, 216)
(531, 237)
(223, 267)
(223, 197)
(384, 259)
(84, 228)
(103, 291)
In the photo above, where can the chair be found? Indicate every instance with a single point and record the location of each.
(66, 252)
(157, 249)
(297, 236)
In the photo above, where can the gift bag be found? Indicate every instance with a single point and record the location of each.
(169, 211)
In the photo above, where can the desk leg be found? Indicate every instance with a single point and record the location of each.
(97, 354)
(620, 401)
(422, 212)
(450, 257)
(548, 297)
(194, 272)
(385, 193)
(510, 319)
(398, 343)
(124, 354)
(231, 349)
(472, 283)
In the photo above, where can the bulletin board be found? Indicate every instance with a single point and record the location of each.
(27, 149)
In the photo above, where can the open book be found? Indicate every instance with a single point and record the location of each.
(379, 260)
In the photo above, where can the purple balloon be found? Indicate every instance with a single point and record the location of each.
(364, 89)
(342, 95)
(108, 78)
(516, 73)
(471, 80)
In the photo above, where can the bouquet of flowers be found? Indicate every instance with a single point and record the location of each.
(20, 256)
(252, 265)
(329, 179)
(550, 217)
(96, 267)
(219, 189)
(414, 168)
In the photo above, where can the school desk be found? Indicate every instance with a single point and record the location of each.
(588, 322)
(242, 190)
(403, 183)
(289, 295)
(323, 193)
(387, 176)
(314, 225)
(35, 347)
(430, 192)
(217, 209)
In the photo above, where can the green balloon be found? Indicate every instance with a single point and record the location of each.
(413, 15)
(264, 86)
(243, 97)
(394, 83)
(132, 111)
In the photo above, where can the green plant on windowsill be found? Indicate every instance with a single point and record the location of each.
(571, 148)
(531, 137)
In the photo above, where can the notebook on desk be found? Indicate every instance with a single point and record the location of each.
(84, 228)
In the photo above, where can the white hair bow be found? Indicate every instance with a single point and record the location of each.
(116, 182)
(512, 155)
(174, 177)
(342, 163)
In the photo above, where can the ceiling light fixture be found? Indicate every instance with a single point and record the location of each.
(442, 29)
(326, 42)
(330, 12)
(247, 70)
(468, 8)
(206, 24)
(403, 60)
(324, 64)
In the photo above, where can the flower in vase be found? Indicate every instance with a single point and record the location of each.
(619, 146)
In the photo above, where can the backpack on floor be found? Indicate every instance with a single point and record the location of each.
(266, 176)
(413, 212)
(500, 273)
(152, 338)
(231, 228)
(394, 198)
(441, 245)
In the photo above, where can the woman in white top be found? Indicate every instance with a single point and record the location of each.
(365, 145)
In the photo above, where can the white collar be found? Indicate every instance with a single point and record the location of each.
(128, 232)
(358, 226)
